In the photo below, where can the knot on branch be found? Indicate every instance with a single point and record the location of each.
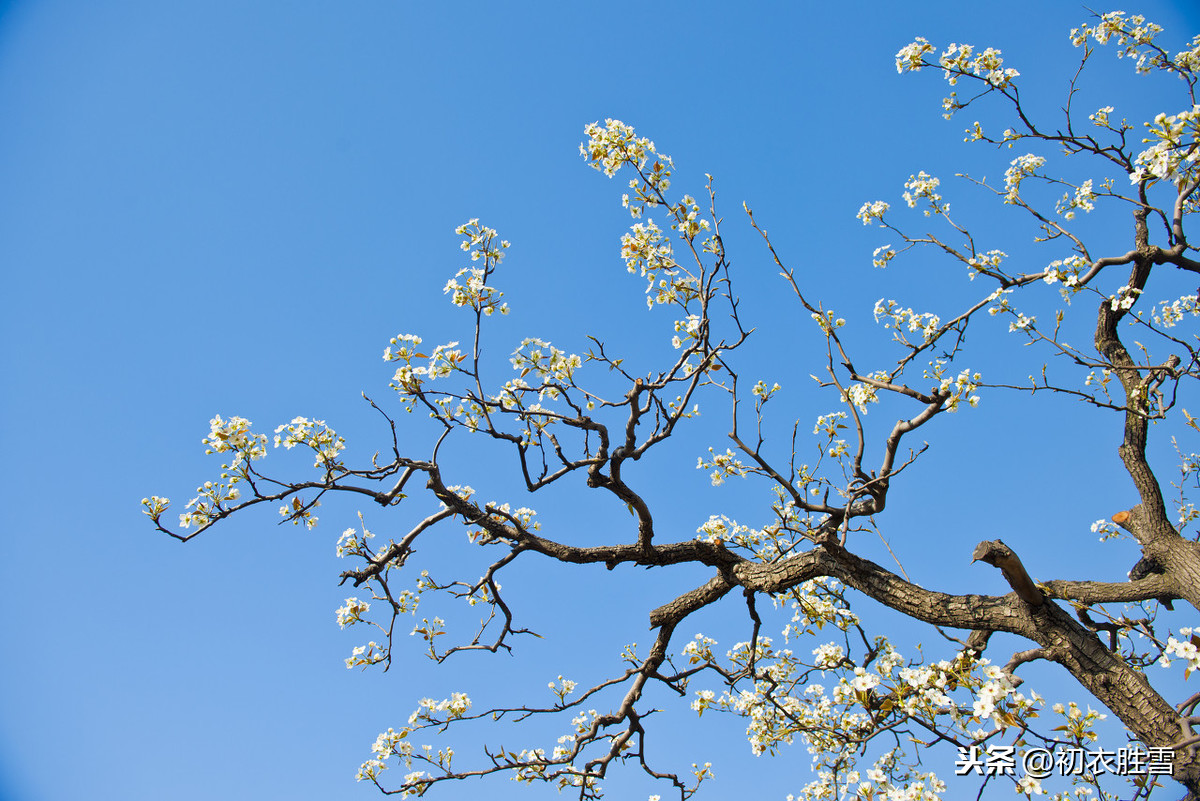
(997, 554)
(1128, 519)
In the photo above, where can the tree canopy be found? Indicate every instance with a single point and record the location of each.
(1094, 205)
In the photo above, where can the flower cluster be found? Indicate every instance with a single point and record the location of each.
(723, 465)
(1131, 33)
(235, 435)
(924, 186)
(960, 387)
(985, 263)
(1106, 530)
(1079, 724)
(351, 612)
(761, 390)
(686, 329)
(232, 435)
(721, 529)
(1084, 198)
(1187, 512)
(1174, 154)
(613, 145)
(429, 629)
(300, 512)
(959, 60)
(830, 424)
(828, 321)
(646, 248)
(687, 220)
(504, 515)
(872, 210)
(1020, 168)
(314, 434)
(510, 395)
(464, 491)
(816, 603)
(1124, 299)
(543, 359)
(1171, 312)
(829, 655)
(920, 786)
(475, 292)
(564, 688)
(716, 529)
(409, 378)
(1100, 118)
(782, 703)
(366, 655)
(430, 711)
(671, 286)
(882, 255)
(155, 506)
(405, 348)
(699, 650)
(444, 360)
(1021, 323)
(912, 56)
(1106, 377)
(392, 743)
(388, 744)
(1187, 650)
(208, 503)
(1066, 272)
(956, 61)
(1002, 305)
(859, 395)
(648, 251)
(480, 242)
(1189, 60)
(349, 542)
(906, 319)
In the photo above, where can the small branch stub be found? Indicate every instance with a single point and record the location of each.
(997, 554)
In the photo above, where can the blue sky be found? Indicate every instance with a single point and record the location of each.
(229, 207)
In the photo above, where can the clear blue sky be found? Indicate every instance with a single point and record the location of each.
(229, 207)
